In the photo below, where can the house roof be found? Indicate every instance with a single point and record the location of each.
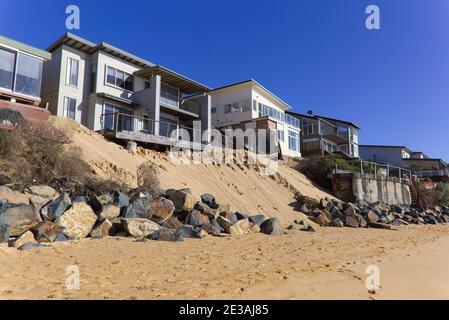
(258, 85)
(420, 159)
(88, 47)
(175, 79)
(381, 146)
(42, 54)
(324, 118)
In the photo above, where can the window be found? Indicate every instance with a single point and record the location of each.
(7, 63)
(280, 134)
(293, 141)
(309, 127)
(119, 79)
(243, 106)
(28, 77)
(147, 84)
(214, 110)
(93, 78)
(70, 108)
(121, 117)
(254, 105)
(72, 72)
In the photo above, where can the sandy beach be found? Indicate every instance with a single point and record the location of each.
(328, 264)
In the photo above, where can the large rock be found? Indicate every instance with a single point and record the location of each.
(140, 228)
(162, 210)
(25, 238)
(183, 201)
(109, 212)
(170, 235)
(13, 197)
(190, 232)
(4, 234)
(47, 231)
(205, 209)
(78, 221)
(271, 227)
(352, 221)
(197, 219)
(209, 200)
(121, 199)
(322, 219)
(19, 219)
(103, 229)
(224, 223)
(56, 208)
(380, 226)
(139, 208)
(45, 192)
(231, 216)
(31, 246)
(372, 217)
(240, 228)
(172, 223)
(257, 219)
(212, 228)
(105, 199)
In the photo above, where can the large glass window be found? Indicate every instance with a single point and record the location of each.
(72, 72)
(7, 62)
(70, 108)
(121, 117)
(119, 79)
(243, 106)
(29, 73)
(293, 141)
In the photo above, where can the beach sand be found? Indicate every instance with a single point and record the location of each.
(327, 264)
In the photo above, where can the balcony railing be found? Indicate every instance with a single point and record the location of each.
(432, 173)
(142, 126)
(177, 102)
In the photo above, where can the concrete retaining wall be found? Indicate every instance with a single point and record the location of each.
(351, 187)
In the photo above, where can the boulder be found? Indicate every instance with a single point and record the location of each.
(351, 211)
(255, 228)
(197, 219)
(121, 199)
(216, 225)
(380, 226)
(105, 199)
(224, 223)
(205, 209)
(47, 231)
(19, 219)
(4, 234)
(211, 229)
(56, 208)
(431, 220)
(352, 221)
(172, 223)
(231, 216)
(27, 237)
(304, 209)
(308, 228)
(45, 192)
(372, 217)
(257, 219)
(271, 227)
(240, 228)
(139, 227)
(241, 216)
(337, 223)
(162, 210)
(190, 232)
(103, 229)
(170, 235)
(31, 246)
(321, 219)
(209, 200)
(13, 197)
(183, 201)
(109, 212)
(78, 221)
(139, 208)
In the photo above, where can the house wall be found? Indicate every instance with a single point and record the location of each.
(228, 96)
(391, 156)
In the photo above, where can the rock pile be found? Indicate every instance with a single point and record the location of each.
(333, 213)
(42, 215)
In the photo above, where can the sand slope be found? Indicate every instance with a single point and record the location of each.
(244, 188)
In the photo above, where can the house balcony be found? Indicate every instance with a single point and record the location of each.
(176, 105)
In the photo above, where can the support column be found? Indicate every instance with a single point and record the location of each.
(154, 109)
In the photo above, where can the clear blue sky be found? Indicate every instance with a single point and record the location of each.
(315, 54)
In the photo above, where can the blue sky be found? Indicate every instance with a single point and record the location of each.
(315, 54)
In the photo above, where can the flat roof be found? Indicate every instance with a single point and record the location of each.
(257, 84)
(89, 47)
(427, 159)
(324, 118)
(173, 78)
(44, 55)
(381, 146)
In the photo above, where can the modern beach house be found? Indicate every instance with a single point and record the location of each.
(121, 95)
(248, 105)
(418, 162)
(321, 135)
(21, 78)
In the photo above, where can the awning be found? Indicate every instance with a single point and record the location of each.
(174, 79)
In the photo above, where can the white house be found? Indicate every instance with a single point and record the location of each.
(248, 105)
(121, 95)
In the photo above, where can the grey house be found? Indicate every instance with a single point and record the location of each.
(321, 135)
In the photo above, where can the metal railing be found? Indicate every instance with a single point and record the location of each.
(376, 169)
(177, 102)
(432, 173)
(143, 126)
